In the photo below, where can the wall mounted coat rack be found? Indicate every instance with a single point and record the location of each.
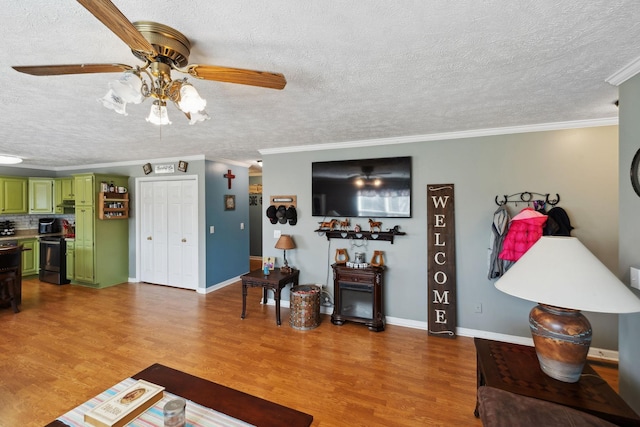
(527, 197)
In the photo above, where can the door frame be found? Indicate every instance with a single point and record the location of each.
(138, 234)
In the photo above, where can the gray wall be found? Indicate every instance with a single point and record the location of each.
(580, 164)
(629, 373)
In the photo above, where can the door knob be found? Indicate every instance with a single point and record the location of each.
(149, 238)
(184, 240)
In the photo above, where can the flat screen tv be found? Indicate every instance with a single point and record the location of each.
(364, 188)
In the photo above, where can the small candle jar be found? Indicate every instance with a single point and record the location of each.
(174, 413)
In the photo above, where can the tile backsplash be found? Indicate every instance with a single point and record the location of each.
(30, 222)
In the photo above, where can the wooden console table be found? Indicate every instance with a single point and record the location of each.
(275, 281)
(515, 368)
(234, 403)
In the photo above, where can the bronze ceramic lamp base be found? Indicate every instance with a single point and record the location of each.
(562, 338)
(564, 278)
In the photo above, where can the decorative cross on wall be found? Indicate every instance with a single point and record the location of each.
(229, 177)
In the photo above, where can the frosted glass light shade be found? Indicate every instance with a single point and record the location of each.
(9, 160)
(562, 272)
(190, 100)
(158, 114)
(198, 116)
(114, 102)
(128, 87)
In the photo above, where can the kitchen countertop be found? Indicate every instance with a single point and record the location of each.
(28, 234)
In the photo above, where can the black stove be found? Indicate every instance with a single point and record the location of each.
(53, 262)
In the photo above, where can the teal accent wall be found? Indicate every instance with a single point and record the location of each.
(227, 249)
(629, 246)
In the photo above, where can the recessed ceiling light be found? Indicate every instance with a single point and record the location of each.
(9, 160)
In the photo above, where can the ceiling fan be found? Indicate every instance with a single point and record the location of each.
(367, 178)
(162, 49)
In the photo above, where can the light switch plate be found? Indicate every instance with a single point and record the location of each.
(635, 278)
(276, 234)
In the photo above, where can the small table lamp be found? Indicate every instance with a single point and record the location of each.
(285, 242)
(563, 277)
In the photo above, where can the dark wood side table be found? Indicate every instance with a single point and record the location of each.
(276, 280)
(515, 368)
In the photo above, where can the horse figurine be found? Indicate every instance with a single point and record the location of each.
(344, 225)
(375, 224)
(328, 224)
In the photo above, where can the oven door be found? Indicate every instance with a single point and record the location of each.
(53, 262)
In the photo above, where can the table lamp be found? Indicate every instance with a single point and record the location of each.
(285, 242)
(564, 277)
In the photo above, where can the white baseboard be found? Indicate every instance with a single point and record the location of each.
(219, 285)
(594, 352)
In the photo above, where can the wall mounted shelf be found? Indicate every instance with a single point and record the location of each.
(385, 236)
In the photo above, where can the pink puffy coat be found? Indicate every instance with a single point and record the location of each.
(525, 229)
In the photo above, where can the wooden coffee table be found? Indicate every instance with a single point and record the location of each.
(515, 368)
(275, 280)
(234, 403)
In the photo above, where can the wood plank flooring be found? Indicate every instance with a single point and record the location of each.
(69, 343)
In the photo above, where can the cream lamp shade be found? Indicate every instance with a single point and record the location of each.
(564, 277)
(562, 272)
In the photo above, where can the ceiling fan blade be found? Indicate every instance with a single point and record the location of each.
(238, 75)
(112, 18)
(54, 70)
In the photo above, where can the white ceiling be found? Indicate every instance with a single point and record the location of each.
(356, 70)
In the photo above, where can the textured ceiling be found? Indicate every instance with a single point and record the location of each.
(356, 70)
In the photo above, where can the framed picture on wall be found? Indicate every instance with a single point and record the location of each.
(229, 202)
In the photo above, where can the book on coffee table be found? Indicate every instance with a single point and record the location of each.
(124, 406)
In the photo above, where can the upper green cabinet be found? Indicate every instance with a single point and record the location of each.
(84, 190)
(13, 195)
(67, 188)
(40, 195)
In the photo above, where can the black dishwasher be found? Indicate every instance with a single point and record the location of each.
(53, 261)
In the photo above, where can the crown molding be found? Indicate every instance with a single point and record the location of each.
(575, 124)
(105, 165)
(624, 73)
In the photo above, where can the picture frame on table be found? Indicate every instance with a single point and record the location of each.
(182, 166)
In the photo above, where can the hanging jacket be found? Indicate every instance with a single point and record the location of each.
(499, 228)
(558, 223)
(525, 229)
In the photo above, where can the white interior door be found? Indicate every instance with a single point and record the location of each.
(168, 233)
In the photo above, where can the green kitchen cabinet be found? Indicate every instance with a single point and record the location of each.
(84, 268)
(57, 196)
(13, 195)
(67, 188)
(70, 259)
(84, 186)
(41, 195)
(30, 256)
(101, 253)
(63, 197)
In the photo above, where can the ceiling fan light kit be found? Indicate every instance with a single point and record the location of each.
(163, 49)
(158, 114)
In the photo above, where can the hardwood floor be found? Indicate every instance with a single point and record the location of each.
(69, 343)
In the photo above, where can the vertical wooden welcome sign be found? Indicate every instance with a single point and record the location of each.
(441, 265)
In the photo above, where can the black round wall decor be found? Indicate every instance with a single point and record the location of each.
(635, 179)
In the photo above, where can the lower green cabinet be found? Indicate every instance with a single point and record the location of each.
(30, 256)
(71, 245)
